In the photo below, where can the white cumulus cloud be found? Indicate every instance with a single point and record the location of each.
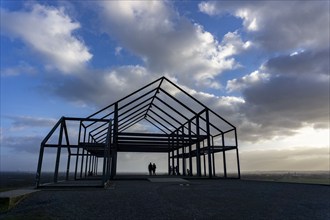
(50, 32)
(246, 81)
(169, 43)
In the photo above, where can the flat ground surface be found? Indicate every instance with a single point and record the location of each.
(196, 199)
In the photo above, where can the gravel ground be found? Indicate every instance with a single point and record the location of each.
(199, 199)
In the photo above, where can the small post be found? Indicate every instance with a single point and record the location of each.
(224, 156)
(198, 158)
(237, 156)
(115, 139)
(183, 154)
(177, 153)
(213, 159)
(68, 167)
(208, 142)
(82, 162)
(190, 157)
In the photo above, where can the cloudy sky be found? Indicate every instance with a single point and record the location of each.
(263, 65)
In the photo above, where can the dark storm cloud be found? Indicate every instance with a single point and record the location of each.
(278, 25)
(288, 102)
(286, 93)
(297, 92)
(303, 63)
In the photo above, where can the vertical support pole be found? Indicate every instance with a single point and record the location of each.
(190, 141)
(213, 159)
(76, 167)
(238, 166)
(183, 153)
(173, 167)
(69, 150)
(90, 163)
(184, 160)
(58, 155)
(172, 160)
(94, 165)
(82, 163)
(97, 165)
(109, 139)
(204, 162)
(169, 162)
(106, 156)
(208, 142)
(177, 152)
(237, 156)
(224, 156)
(115, 139)
(198, 158)
(169, 155)
(93, 158)
(86, 164)
(68, 167)
(83, 155)
(77, 157)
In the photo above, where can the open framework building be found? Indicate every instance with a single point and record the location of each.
(159, 117)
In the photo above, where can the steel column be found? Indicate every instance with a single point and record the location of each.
(96, 165)
(77, 161)
(173, 167)
(169, 163)
(115, 144)
(237, 156)
(190, 157)
(213, 159)
(198, 159)
(177, 154)
(183, 154)
(204, 162)
(68, 167)
(58, 155)
(208, 142)
(86, 164)
(82, 163)
(224, 156)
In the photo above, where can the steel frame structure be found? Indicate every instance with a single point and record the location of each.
(181, 126)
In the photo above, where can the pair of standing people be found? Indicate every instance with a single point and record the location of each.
(152, 169)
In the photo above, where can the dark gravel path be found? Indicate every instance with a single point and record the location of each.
(201, 199)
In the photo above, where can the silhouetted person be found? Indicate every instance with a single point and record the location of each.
(150, 168)
(154, 169)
